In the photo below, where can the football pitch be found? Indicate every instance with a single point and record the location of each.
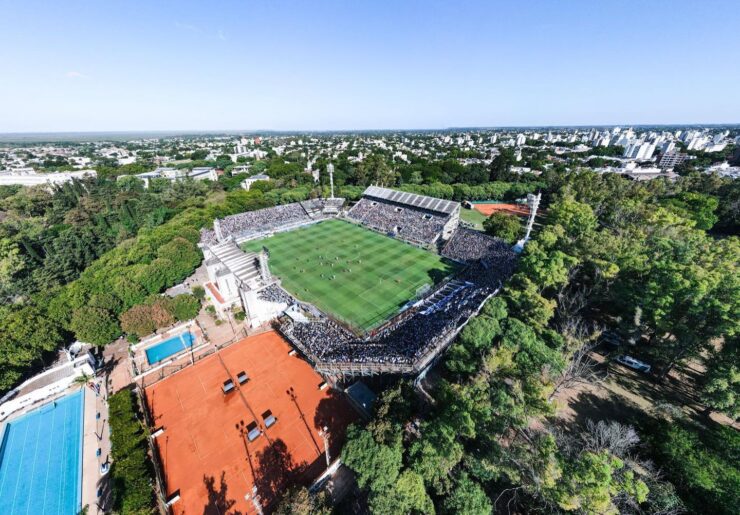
(356, 275)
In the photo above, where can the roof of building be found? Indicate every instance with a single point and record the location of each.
(438, 205)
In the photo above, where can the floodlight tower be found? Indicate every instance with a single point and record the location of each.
(330, 169)
(533, 201)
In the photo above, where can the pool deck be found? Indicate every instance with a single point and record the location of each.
(93, 428)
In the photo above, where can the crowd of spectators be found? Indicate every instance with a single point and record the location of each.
(208, 236)
(262, 220)
(271, 218)
(275, 293)
(400, 343)
(406, 222)
(469, 246)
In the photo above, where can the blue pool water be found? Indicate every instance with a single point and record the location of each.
(167, 348)
(41, 460)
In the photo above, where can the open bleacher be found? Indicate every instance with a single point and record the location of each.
(243, 225)
(254, 224)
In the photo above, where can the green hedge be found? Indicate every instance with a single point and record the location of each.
(132, 472)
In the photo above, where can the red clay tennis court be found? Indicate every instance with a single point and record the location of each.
(510, 209)
(205, 448)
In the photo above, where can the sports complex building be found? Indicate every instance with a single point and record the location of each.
(380, 288)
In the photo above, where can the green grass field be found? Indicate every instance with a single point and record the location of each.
(356, 275)
(474, 217)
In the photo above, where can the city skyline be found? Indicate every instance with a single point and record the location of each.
(336, 66)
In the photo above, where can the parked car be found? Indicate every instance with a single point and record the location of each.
(633, 363)
(104, 468)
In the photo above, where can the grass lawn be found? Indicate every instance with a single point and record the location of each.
(356, 275)
(474, 217)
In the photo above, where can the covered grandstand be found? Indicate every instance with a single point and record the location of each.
(415, 218)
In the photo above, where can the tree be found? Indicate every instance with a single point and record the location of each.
(94, 325)
(160, 312)
(374, 169)
(82, 380)
(546, 268)
(406, 495)
(467, 498)
(11, 263)
(700, 461)
(199, 292)
(720, 388)
(474, 340)
(500, 169)
(689, 292)
(591, 482)
(376, 465)
(697, 207)
(435, 454)
(138, 320)
(297, 500)
(506, 227)
(525, 300)
(184, 257)
(577, 218)
(184, 307)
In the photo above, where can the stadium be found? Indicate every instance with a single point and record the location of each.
(381, 287)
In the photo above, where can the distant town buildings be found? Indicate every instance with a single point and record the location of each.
(608, 149)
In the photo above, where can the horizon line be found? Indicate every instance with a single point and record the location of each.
(358, 130)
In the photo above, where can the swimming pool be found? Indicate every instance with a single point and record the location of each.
(167, 348)
(41, 459)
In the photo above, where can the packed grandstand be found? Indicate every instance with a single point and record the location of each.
(413, 337)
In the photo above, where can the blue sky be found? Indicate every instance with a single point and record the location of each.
(341, 64)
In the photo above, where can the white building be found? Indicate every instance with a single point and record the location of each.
(639, 150)
(235, 280)
(175, 174)
(29, 177)
(247, 183)
(725, 170)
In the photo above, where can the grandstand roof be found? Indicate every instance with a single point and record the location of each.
(446, 207)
